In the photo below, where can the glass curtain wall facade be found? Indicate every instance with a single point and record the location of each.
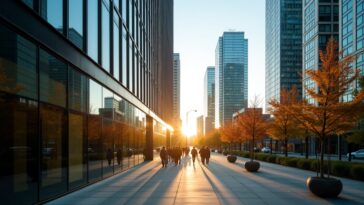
(68, 116)
(320, 22)
(209, 99)
(352, 34)
(231, 78)
(283, 47)
(176, 89)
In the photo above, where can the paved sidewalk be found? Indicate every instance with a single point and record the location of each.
(218, 183)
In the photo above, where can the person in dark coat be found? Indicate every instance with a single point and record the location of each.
(109, 156)
(207, 154)
(118, 156)
(202, 155)
(164, 157)
(194, 154)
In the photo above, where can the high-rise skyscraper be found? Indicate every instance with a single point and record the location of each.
(85, 92)
(176, 90)
(351, 38)
(283, 47)
(200, 126)
(209, 99)
(320, 23)
(231, 76)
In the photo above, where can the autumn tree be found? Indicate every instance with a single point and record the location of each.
(328, 115)
(283, 127)
(252, 124)
(229, 133)
(212, 138)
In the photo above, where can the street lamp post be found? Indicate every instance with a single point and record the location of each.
(188, 112)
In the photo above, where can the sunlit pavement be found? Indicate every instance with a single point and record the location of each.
(218, 183)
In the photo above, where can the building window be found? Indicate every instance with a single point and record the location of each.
(53, 169)
(124, 65)
(52, 11)
(77, 91)
(76, 150)
(53, 79)
(75, 19)
(18, 74)
(92, 29)
(124, 7)
(105, 37)
(116, 45)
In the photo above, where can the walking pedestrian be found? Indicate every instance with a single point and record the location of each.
(202, 155)
(194, 154)
(208, 154)
(164, 157)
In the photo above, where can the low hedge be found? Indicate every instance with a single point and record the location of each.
(338, 168)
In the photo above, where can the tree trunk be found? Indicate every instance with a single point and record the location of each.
(286, 147)
(252, 150)
(339, 146)
(271, 145)
(322, 147)
(306, 147)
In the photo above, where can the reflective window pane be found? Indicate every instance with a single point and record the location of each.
(116, 45)
(131, 65)
(53, 79)
(94, 148)
(77, 91)
(76, 150)
(53, 169)
(124, 9)
(95, 97)
(18, 150)
(75, 21)
(52, 11)
(108, 147)
(124, 58)
(105, 38)
(92, 30)
(18, 74)
(116, 3)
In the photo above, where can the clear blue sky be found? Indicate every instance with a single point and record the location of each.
(197, 26)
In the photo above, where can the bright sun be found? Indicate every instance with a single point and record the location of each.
(189, 130)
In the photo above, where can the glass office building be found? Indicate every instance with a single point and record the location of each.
(320, 22)
(351, 38)
(176, 90)
(283, 47)
(231, 76)
(80, 92)
(209, 99)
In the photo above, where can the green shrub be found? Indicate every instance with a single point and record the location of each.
(304, 164)
(271, 158)
(279, 159)
(292, 162)
(357, 171)
(340, 169)
(260, 156)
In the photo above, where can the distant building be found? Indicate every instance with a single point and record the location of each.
(176, 90)
(200, 126)
(209, 99)
(231, 76)
(283, 47)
